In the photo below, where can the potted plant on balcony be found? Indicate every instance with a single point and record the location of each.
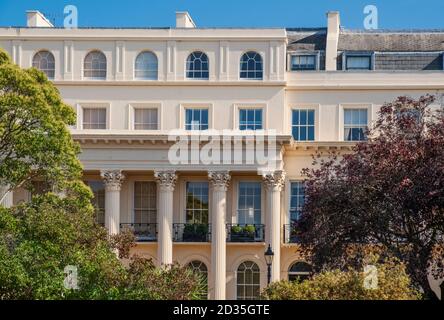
(195, 233)
(242, 234)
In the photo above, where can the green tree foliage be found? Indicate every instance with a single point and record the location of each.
(34, 138)
(40, 238)
(393, 284)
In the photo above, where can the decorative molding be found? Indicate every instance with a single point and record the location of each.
(113, 179)
(219, 179)
(274, 180)
(166, 178)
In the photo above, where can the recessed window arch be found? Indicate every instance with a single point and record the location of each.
(201, 269)
(197, 66)
(145, 66)
(299, 271)
(248, 281)
(45, 62)
(251, 66)
(94, 65)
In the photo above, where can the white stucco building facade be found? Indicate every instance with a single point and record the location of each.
(316, 88)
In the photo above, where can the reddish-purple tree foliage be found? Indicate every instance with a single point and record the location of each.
(388, 192)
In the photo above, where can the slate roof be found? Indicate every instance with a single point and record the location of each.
(306, 39)
(365, 40)
(386, 40)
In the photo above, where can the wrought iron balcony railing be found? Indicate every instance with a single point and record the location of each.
(144, 232)
(191, 232)
(290, 234)
(245, 232)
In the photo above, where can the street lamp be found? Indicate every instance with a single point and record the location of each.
(269, 255)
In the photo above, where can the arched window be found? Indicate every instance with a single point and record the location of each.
(94, 66)
(146, 66)
(200, 268)
(251, 66)
(197, 66)
(44, 61)
(299, 271)
(248, 281)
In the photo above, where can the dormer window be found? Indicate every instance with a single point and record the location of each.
(303, 62)
(358, 61)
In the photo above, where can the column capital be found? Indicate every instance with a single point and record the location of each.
(166, 178)
(274, 180)
(113, 179)
(219, 179)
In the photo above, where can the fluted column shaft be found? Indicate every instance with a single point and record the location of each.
(219, 181)
(166, 181)
(113, 180)
(274, 183)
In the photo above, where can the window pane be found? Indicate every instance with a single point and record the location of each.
(146, 66)
(197, 202)
(250, 119)
(94, 66)
(303, 125)
(358, 62)
(45, 62)
(303, 62)
(251, 66)
(94, 118)
(145, 119)
(355, 124)
(197, 66)
(249, 203)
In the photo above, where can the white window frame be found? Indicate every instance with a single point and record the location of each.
(93, 105)
(108, 60)
(262, 55)
(133, 195)
(198, 105)
(53, 56)
(370, 55)
(251, 105)
(134, 66)
(197, 180)
(132, 106)
(186, 66)
(237, 269)
(236, 200)
(344, 106)
(316, 54)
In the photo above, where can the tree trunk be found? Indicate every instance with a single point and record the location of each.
(423, 281)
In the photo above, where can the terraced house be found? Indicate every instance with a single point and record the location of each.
(315, 89)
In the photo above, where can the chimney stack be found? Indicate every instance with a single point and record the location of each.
(35, 18)
(184, 20)
(331, 51)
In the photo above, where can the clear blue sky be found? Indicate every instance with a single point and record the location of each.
(393, 14)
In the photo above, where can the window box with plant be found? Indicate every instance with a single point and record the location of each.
(243, 233)
(195, 233)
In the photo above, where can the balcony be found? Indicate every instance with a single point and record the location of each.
(290, 234)
(144, 232)
(187, 232)
(245, 233)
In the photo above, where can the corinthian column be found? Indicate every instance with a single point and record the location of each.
(274, 183)
(166, 181)
(113, 180)
(219, 181)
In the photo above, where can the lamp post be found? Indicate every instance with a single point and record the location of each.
(269, 255)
